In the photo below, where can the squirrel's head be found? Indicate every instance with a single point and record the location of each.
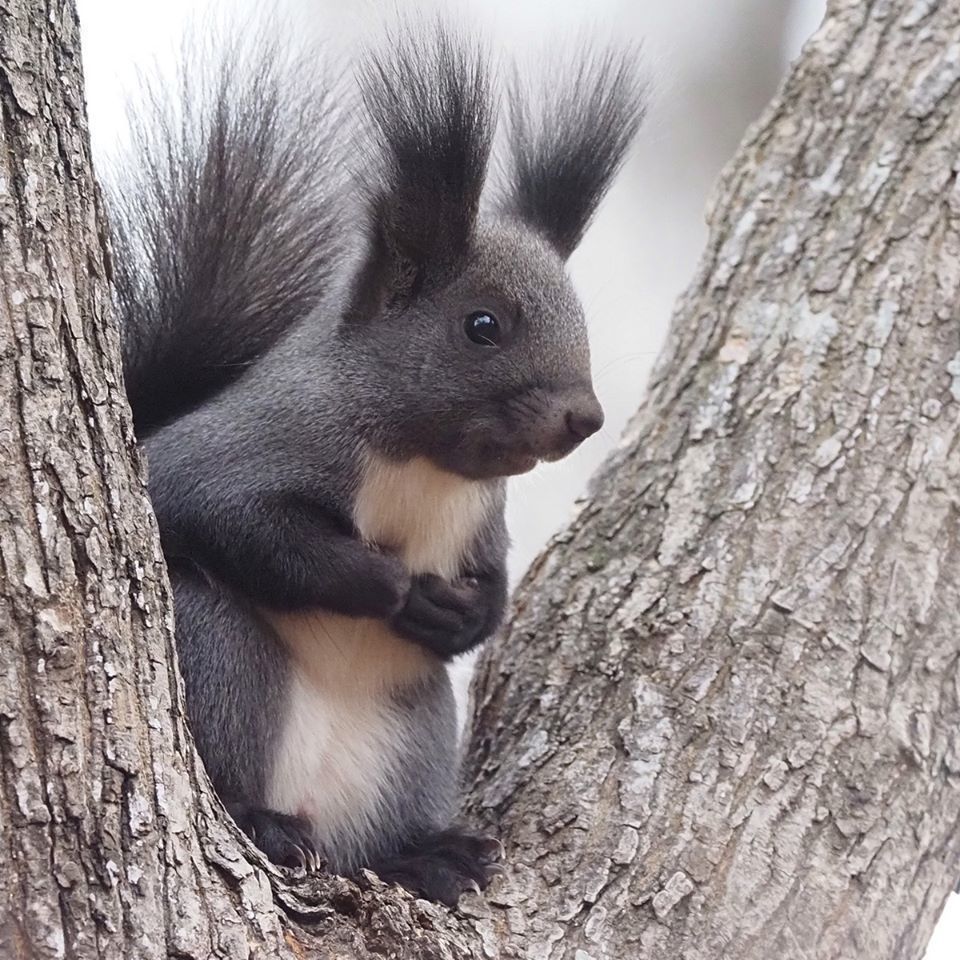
(471, 316)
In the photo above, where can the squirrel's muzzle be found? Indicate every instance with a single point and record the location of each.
(570, 419)
(529, 426)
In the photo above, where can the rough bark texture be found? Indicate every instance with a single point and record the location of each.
(724, 720)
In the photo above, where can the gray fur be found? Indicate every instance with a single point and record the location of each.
(233, 722)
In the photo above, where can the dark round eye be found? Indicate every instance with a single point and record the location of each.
(482, 327)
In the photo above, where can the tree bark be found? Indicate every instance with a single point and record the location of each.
(723, 721)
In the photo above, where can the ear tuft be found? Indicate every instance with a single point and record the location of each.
(564, 158)
(430, 102)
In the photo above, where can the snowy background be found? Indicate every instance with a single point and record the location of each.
(713, 66)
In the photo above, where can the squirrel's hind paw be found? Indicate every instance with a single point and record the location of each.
(286, 840)
(444, 865)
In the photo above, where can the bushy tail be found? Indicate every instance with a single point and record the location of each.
(225, 219)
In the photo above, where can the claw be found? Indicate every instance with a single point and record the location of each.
(444, 865)
(500, 850)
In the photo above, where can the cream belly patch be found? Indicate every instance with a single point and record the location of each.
(333, 762)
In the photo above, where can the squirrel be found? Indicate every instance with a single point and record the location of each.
(333, 366)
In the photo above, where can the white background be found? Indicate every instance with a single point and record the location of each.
(714, 65)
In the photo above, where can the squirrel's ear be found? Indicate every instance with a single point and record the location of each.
(565, 152)
(430, 104)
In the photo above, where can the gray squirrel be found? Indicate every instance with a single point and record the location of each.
(333, 370)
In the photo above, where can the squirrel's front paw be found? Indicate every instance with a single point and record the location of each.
(444, 617)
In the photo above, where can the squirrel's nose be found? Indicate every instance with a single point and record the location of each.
(584, 418)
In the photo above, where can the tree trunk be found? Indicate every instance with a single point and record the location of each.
(724, 719)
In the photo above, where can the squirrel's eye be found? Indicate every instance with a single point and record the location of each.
(482, 327)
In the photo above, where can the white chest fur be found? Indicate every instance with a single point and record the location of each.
(429, 517)
(341, 735)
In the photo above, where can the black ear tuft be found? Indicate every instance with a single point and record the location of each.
(430, 102)
(564, 158)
